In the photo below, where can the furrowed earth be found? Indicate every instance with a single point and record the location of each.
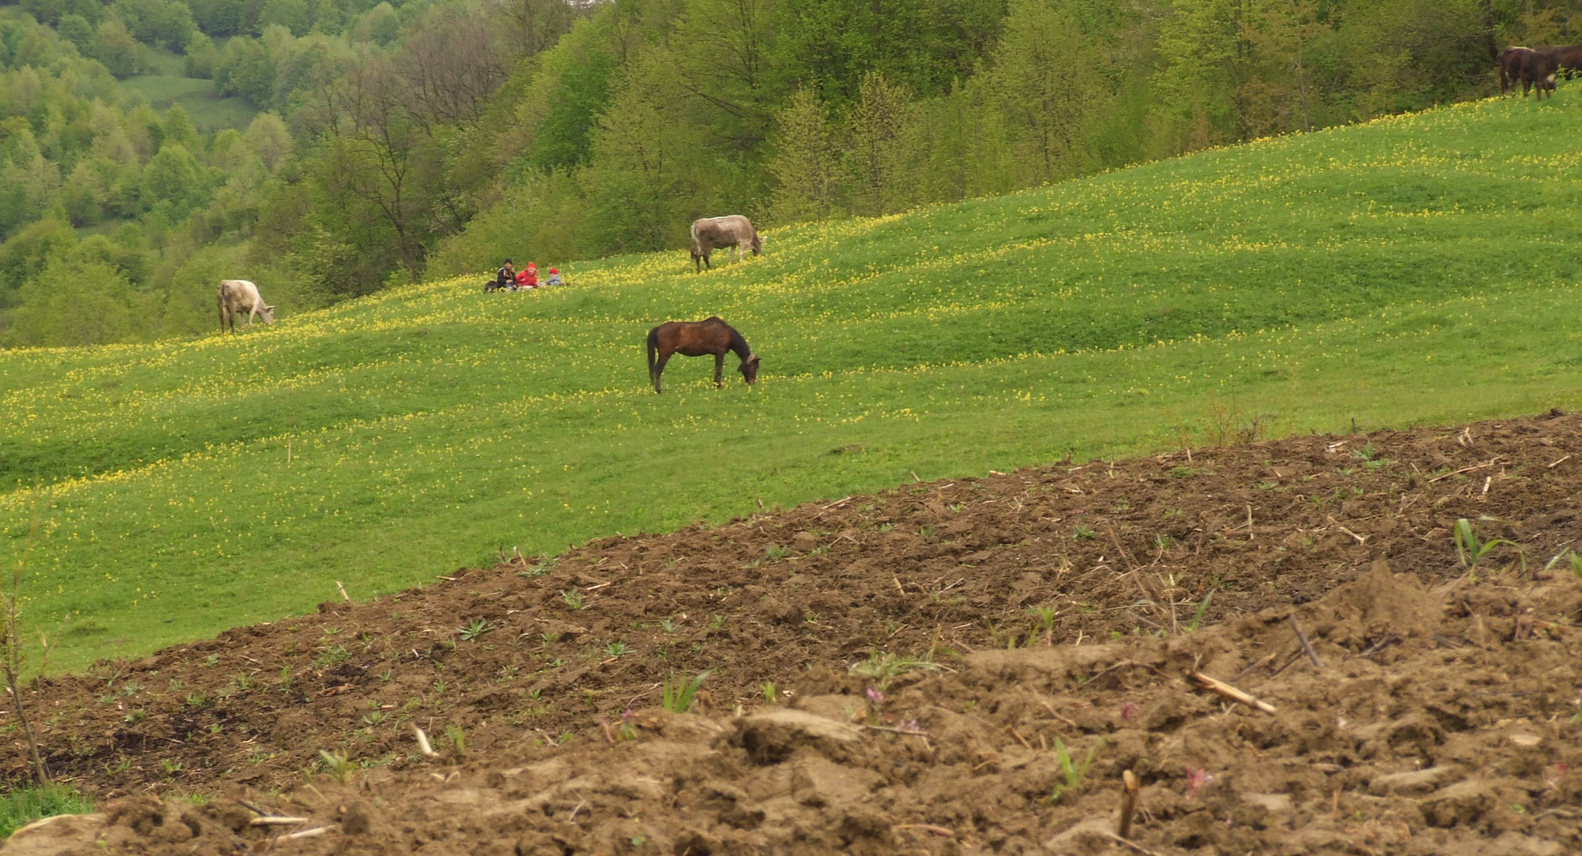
(967, 666)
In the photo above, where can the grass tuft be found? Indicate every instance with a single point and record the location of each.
(22, 806)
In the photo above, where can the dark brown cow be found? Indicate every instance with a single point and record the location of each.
(732, 230)
(1511, 66)
(1568, 58)
(1538, 71)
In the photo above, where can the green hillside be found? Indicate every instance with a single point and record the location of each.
(1414, 270)
(200, 98)
(166, 84)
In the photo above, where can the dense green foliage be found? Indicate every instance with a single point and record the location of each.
(1410, 270)
(328, 149)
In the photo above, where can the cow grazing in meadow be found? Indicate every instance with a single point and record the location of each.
(238, 296)
(712, 233)
(1511, 66)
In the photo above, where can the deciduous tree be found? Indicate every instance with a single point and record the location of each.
(650, 175)
(533, 26)
(805, 162)
(1051, 78)
(877, 157)
(448, 68)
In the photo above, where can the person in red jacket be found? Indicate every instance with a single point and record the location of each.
(528, 278)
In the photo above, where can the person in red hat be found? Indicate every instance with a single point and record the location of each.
(554, 277)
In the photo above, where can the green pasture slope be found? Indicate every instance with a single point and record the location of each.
(166, 83)
(1415, 270)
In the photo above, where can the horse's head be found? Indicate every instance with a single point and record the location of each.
(749, 368)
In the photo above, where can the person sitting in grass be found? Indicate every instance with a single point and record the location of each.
(554, 277)
(504, 278)
(528, 278)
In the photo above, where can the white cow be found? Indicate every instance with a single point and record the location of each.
(732, 230)
(237, 296)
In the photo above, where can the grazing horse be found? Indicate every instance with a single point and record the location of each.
(694, 339)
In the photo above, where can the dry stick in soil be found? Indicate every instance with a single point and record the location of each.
(278, 820)
(1489, 463)
(1230, 692)
(926, 827)
(1306, 645)
(423, 746)
(1129, 789)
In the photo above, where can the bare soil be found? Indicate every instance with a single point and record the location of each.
(958, 667)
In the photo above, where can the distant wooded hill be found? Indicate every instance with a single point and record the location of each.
(323, 149)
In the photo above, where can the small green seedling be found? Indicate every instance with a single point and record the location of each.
(1470, 550)
(680, 696)
(882, 667)
(1045, 615)
(1202, 610)
(337, 765)
(1072, 772)
(1570, 557)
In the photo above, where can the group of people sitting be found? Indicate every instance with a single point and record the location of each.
(510, 279)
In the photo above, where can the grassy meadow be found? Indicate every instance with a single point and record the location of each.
(166, 83)
(1414, 270)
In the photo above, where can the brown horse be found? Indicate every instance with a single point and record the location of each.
(694, 339)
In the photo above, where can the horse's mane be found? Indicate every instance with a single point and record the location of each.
(739, 344)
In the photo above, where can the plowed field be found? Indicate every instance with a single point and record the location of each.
(959, 667)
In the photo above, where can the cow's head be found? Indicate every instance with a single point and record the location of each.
(268, 314)
(749, 368)
(758, 244)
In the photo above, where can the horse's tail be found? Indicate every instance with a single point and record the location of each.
(653, 348)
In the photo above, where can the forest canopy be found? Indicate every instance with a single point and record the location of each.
(328, 148)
